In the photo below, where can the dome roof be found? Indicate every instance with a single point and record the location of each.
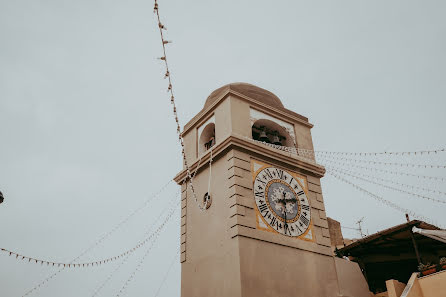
(248, 90)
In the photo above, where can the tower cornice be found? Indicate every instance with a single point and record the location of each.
(235, 141)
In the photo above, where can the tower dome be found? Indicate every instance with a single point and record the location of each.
(251, 91)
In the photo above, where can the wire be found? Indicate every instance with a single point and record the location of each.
(114, 229)
(351, 228)
(393, 182)
(98, 289)
(384, 201)
(385, 171)
(86, 264)
(386, 186)
(132, 275)
(390, 163)
(441, 150)
(149, 231)
(172, 101)
(167, 273)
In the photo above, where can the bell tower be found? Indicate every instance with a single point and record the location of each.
(264, 230)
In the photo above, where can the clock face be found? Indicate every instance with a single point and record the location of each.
(282, 202)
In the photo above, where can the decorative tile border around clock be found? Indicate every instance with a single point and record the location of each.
(242, 206)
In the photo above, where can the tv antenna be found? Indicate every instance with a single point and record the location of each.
(359, 222)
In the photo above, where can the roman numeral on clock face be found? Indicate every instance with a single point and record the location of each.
(305, 207)
(261, 181)
(263, 207)
(300, 193)
(273, 221)
(259, 194)
(280, 174)
(304, 220)
(268, 173)
(297, 227)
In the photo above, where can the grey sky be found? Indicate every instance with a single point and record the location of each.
(87, 133)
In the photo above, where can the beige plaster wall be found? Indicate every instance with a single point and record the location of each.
(210, 260)
(336, 237)
(273, 270)
(304, 139)
(434, 285)
(394, 288)
(240, 114)
(223, 125)
(413, 288)
(351, 281)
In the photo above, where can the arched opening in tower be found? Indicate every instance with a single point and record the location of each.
(207, 138)
(270, 132)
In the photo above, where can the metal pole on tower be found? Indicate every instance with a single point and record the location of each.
(413, 241)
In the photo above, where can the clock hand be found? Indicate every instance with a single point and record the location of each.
(284, 201)
(284, 209)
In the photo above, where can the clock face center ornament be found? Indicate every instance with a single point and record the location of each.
(282, 202)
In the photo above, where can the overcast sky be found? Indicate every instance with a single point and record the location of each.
(87, 134)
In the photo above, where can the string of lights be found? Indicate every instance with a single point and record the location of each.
(124, 261)
(384, 201)
(105, 282)
(100, 240)
(322, 161)
(172, 101)
(388, 163)
(87, 264)
(206, 202)
(391, 181)
(42, 283)
(196, 169)
(386, 186)
(167, 273)
(132, 275)
(425, 152)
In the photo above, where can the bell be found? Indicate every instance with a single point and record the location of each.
(276, 140)
(263, 137)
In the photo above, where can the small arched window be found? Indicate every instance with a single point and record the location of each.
(207, 138)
